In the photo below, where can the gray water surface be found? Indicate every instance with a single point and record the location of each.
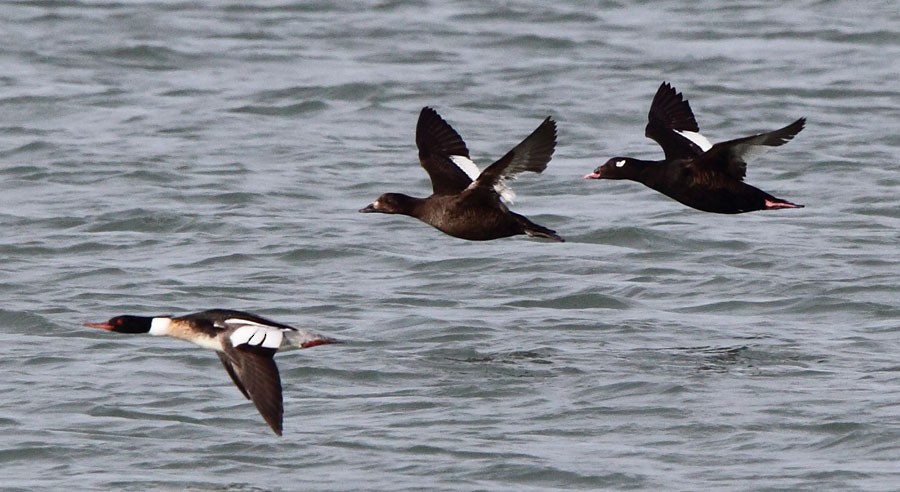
(169, 157)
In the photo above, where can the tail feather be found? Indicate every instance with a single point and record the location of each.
(544, 233)
(535, 230)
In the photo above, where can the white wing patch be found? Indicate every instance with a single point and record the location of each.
(467, 166)
(255, 334)
(472, 171)
(698, 139)
(505, 192)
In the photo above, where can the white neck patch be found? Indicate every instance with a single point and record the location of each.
(159, 326)
(696, 138)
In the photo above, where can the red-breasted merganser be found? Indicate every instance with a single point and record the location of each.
(244, 342)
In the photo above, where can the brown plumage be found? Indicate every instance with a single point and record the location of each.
(459, 206)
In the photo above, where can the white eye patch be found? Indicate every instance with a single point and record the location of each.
(620, 163)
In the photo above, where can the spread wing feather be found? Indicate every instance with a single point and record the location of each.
(437, 142)
(672, 124)
(532, 154)
(731, 157)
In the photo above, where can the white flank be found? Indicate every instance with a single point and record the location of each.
(472, 171)
(159, 326)
(257, 335)
(699, 140)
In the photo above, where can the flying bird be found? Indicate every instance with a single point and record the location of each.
(695, 172)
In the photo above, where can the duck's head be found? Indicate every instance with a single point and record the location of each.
(390, 203)
(125, 324)
(615, 168)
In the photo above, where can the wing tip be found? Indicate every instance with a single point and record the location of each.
(435, 135)
(277, 428)
(666, 88)
(671, 110)
(549, 121)
(549, 131)
(788, 133)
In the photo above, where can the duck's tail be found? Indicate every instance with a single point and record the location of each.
(535, 230)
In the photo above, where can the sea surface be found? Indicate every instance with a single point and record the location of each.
(168, 157)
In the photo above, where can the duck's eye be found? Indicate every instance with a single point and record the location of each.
(120, 321)
(620, 163)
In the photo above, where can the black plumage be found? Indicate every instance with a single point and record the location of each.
(694, 172)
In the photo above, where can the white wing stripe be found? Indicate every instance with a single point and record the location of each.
(246, 322)
(698, 139)
(467, 166)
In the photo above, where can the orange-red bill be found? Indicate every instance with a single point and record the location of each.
(102, 326)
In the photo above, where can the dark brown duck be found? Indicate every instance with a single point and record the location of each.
(465, 203)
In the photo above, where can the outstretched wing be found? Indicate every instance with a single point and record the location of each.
(254, 372)
(532, 154)
(731, 157)
(672, 125)
(440, 150)
(249, 348)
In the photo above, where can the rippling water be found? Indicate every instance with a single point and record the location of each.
(171, 157)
